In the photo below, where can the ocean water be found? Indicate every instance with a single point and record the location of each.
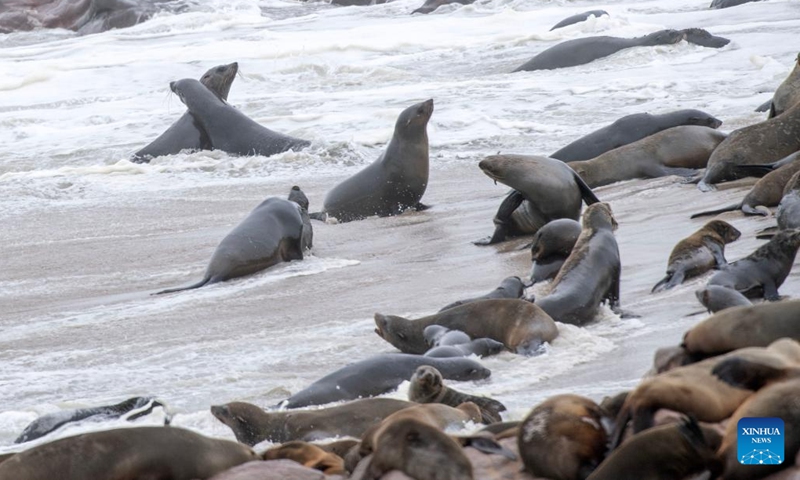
(87, 236)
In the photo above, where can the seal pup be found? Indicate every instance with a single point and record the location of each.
(665, 452)
(431, 5)
(140, 452)
(767, 192)
(137, 407)
(380, 374)
(698, 253)
(590, 275)
(762, 143)
(562, 438)
(629, 129)
(716, 298)
(585, 50)
(308, 455)
(739, 327)
(510, 287)
(395, 181)
(186, 133)
(674, 151)
(521, 326)
(252, 425)
(544, 190)
(551, 246)
(427, 386)
(229, 129)
(439, 336)
(272, 233)
(761, 273)
(581, 17)
(788, 93)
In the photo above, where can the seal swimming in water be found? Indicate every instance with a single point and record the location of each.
(252, 425)
(140, 452)
(629, 129)
(186, 133)
(761, 273)
(581, 17)
(698, 253)
(380, 374)
(522, 326)
(274, 232)
(51, 422)
(584, 50)
(510, 287)
(675, 151)
(229, 129)
(552, 244)
(427, 386)
(716, 298)
(395, 181)
(590, 275)
(544, 190)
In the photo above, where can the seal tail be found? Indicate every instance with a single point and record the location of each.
(729, 208)
(190, 287)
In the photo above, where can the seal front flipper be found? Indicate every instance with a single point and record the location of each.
(729, 208)
(199, 284)
(486, 445)
(754, 170)
(502, 219)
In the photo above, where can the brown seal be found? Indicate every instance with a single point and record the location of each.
(698, 253)
(667, 358)
(788, 93)
(667, 451)
(738, 327)
(522, 326)
(252, 425)
(427, 386)
(562, 438)
(140, 452)
(590, 275)
(308, 455)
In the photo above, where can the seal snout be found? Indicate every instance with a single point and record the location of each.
(220, 411)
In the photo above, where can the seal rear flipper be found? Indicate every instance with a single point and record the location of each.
(486, 445)
(754, 170)
(663, 284)
(587, 194)
(729, 208)
(758, 210)
(199, 284)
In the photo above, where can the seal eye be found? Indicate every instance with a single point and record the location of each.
(420, 111)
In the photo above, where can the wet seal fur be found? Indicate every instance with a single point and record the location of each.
(187, 133)
(544, 190)
(581, 17)
(675, 151)
(252, 425)
(521, 326)
(590, 275)
(395, 181)
(552, 244)
(510, 287)
(229, 129)
(427, 386)
(716, 298)
(380, 374)
(562, 438)
(275, 231)
(698, 253)
(629, 129)
(761, 273)
(140, 452)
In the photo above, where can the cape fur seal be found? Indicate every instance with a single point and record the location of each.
(275, 231)
(187, 133)
(136, 407)
(698, 253)
(380, 374)
(520, 325)
(427, 386)
(551, 246)
(581, 17)
(544, 190)
(761, 273)
(629, 129)
(395, 181)
(252, 425)
(788, 213)
(716, 298)
(590, 275)
(141, 452)
(229, 129)
(562, 438)
(510, 287)
(674, 151)
(482, 347)
(788, 93)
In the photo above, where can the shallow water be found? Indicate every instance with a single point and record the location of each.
(90, 235)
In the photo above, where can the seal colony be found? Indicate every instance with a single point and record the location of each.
(742, 361)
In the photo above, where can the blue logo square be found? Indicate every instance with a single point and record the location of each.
(759, 441)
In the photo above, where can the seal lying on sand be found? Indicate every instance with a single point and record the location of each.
(380, 374)
(395, 181)
(136, 407)
(427, 386)
(544, 190)
(275, 231)
(581, 17)
(229, 129)
(698, 253)
(186, 133)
